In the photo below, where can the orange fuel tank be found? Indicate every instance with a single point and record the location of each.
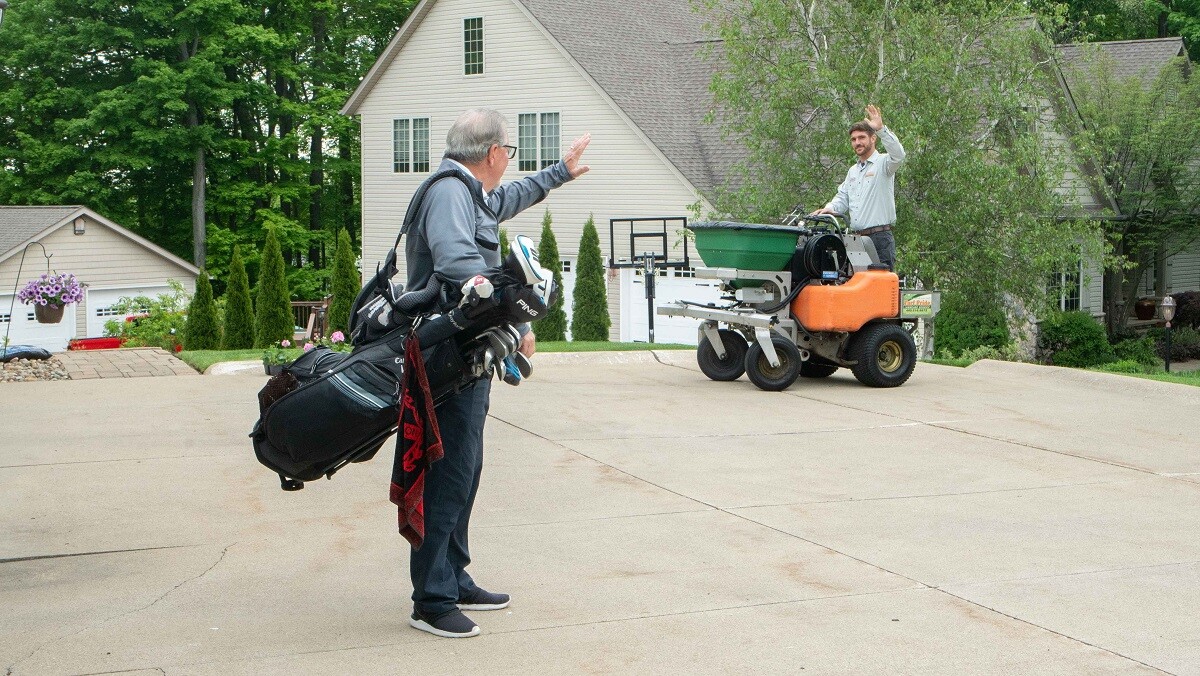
(870, 294)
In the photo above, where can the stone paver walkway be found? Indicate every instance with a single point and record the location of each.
(129, 362)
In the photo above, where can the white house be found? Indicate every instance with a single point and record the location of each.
(628, 73)
(633, 75)
(107, 259)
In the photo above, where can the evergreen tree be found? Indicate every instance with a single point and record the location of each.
(554, 325)
(239, 313)
(202, 330)
(589, 317)
(503, 244)
(273, 306)
(346, 283)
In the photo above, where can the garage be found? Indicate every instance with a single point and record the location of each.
(100, 302)
(22, 328)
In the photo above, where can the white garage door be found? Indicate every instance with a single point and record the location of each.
(100, 304)
(22, 329)
(635, 321)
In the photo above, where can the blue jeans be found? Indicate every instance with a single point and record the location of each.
(438, 568)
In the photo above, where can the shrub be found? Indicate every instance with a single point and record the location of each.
(273, 307)
(346, 283)
(503, 244)
(1140, 350)
(1187, 309)
(203, 330)
(1008, 352)
(150, 322)
(1185, 344)
(967, 322)
(1073, 339)
(554, 325)
(1124, 366)
(589, 316)
(239, 313)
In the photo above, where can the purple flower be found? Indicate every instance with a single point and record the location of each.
(285, 343)
(337, 337)
(308, 346)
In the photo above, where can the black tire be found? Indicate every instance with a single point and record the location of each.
(732, 366)
(885, 355)
(767, 377)
(816, 367)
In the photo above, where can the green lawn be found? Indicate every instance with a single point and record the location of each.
(202, 359)
(1180, 377)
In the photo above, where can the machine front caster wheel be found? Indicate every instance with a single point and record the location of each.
(732, 366)
(773, 378)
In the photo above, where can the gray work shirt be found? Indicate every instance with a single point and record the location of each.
(456, 237)
(868, 194)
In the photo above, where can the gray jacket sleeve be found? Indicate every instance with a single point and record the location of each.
(513, 197)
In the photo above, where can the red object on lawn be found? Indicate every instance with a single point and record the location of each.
(95, 343)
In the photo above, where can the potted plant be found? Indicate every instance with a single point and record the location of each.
(276, 357)
(1144, 308)
(49, 296)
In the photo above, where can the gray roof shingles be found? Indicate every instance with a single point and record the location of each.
(18, 224)
(1142, 59)
(647, 56)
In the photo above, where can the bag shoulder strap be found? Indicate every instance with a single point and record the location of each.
(414, 205)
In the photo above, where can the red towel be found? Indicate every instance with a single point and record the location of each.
(420, 445)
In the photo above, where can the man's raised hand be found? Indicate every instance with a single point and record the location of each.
(874, 118)
(571, 157)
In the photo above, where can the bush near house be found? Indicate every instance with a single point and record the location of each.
(273, 306)
(554, 325)
(1187, 309)
(1073, 339)
(346, 284)
(239, 312)
(1185, 343)
(150, 322)
(966, 323)
(1140, 350)
(589, 316)
(203, 329)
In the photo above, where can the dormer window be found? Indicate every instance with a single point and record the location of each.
(473, 46)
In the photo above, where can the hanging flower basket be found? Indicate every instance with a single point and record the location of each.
(48, 314)
(49, 296)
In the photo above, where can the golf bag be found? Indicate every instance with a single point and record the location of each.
(328, 409)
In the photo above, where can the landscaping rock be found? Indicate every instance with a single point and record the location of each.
(28, 370)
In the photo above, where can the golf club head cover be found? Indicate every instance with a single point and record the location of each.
(523, 263)
(476, 289)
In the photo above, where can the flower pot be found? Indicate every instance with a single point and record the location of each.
(273, 369)
(1144, 308)
(48, 314)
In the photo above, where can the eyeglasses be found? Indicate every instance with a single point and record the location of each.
(512, 150)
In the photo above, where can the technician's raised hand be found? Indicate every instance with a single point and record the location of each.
(571, 157)
(874, 118)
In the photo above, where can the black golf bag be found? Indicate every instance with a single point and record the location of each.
(328, 409)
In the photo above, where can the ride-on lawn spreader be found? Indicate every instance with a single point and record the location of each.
(804, 299)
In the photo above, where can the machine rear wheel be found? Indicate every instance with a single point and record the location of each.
(773, 378)
(732, 366)
(816, 367)
(885, 354)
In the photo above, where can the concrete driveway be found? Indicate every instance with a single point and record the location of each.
(999, 519)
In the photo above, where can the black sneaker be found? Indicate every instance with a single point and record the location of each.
(483, 600)
(450, 624)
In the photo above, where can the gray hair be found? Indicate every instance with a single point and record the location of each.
(474, 133)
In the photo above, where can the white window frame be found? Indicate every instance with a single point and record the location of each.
(542, 155)
(1061, 285)
(412, 165)
(467, 64)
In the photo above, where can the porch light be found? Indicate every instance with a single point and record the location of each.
(3, 6)
(1168, 313)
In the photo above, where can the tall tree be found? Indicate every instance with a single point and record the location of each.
(589, 312)
(346, 283)
(239, 313)
(203, 329)
(273, 320)
(961, 85)
(554, 325)
(1145, 138)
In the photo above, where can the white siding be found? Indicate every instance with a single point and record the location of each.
(1183, 270)
(100, 258)
(524, 72)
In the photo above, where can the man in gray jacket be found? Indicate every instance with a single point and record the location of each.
(457, 237)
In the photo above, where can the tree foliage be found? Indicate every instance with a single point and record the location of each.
(203, 329)
(239, 312)
(1103, 20)
(589, 312)
(1143, 136)
(963, 86)
(346, 283)
(144, 110)
(273, 307)
(554, 325)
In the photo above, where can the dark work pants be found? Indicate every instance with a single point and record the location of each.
(885, 246)
(438, 568)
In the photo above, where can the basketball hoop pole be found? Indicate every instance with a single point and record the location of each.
(648, 274)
